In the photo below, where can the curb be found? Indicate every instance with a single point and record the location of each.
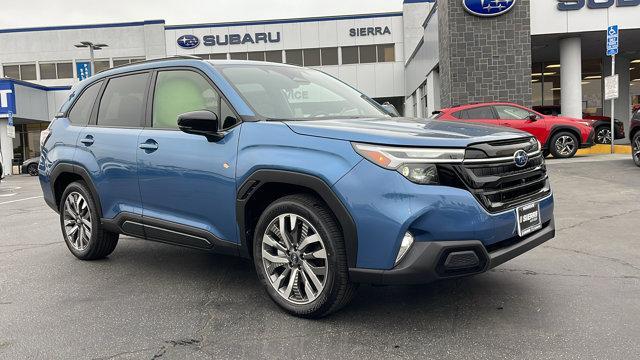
(602, 149)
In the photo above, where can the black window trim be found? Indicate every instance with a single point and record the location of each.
(96, 108)
(148, 123)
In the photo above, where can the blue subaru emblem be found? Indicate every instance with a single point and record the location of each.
(521, 158)
(188, 41)
(488, 7)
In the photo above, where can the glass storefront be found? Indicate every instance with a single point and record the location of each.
(26, 145)
(545, 81)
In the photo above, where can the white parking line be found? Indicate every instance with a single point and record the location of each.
(17, 200)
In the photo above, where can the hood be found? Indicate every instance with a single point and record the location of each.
(405, 131)
(573, 121)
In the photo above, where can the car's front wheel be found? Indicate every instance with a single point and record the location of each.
(81, 226)
(300, 257)
(635, 149)
(564, 145)
(603, 135)
(32, 169)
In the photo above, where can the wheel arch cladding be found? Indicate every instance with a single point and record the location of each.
(265, 186)
(63, 175)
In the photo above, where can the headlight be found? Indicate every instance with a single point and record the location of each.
(415, 164)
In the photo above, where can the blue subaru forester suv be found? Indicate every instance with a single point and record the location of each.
(288, 166)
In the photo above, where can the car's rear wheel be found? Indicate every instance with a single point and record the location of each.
(564, 145)
(603, 135)
(32, 169)
(300, 257)
(81, 226)
(635, 149)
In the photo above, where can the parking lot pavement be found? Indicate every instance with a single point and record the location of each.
(577, 296)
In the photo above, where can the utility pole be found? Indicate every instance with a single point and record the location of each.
(92, 48)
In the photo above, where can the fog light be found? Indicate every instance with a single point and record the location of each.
(424, 174)
(407, 241)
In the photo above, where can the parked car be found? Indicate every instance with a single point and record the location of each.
(601, 124)
(323, 192)
(30, 166)
(559, 136)
(634, 136)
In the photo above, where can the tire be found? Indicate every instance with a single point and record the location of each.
(603, 135)
(635, 148)
(32, 169)
(563, 145)
(79, 207)
(312, 220)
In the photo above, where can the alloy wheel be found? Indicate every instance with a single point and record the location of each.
(294, 257)
(565, 145)
(603, 136)
(77, 221)
(32, 169)
(636, 150)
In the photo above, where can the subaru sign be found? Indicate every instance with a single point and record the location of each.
(612, 40)
(487, 8)
(188, 41)
(7, 98)
(83, 68)
(570, 5)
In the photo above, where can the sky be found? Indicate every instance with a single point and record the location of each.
(30, 13)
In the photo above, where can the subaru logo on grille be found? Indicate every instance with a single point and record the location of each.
(188, 41)
(488, 7)
(521, 158)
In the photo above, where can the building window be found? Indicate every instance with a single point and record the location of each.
(218, 56)
(120, 62)
(311, 57)
(63, 70)
(329, 56)
(11, 71)
(386, 53)
(350, 55)
(256, 55)
(274, 56)
(238, 56)
(294, 57)
(101, 65)
(368, 54)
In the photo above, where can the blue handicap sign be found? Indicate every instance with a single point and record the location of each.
(83, 69)
(612, 40)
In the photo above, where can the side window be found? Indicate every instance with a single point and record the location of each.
(122, 104)
(181, 91)
(512, 113)
(460, 114)
(636, 116)
(482, 112)
(81, 111)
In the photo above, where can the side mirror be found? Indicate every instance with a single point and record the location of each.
(390, 109)
(203, 122)
(533, 117)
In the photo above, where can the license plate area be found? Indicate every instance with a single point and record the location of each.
(528, 219)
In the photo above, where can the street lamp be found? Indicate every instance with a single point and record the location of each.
(92, 47)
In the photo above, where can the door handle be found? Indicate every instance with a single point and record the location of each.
(88, 140)
(149, 146)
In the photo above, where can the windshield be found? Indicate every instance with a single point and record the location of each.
(293, 93)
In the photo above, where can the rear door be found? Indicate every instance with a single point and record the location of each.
(480, 114)
(187, 183)
(107, 147)
(520, 118)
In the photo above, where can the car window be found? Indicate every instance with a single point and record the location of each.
(181, 91)
(636, 115)
(482, 112)
(460, 114)
(81, 111)
(122, 103)
(512, 113)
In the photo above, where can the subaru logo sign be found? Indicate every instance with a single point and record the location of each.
(488, 7)
(188, 41)
(521, 158)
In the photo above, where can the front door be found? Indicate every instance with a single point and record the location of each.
(187, 183)
(522, 119)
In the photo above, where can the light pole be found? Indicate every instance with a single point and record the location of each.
(92, 47)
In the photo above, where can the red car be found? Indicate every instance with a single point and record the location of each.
(601, 124)
(559, 136)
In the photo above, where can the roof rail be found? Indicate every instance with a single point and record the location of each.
(176, 57)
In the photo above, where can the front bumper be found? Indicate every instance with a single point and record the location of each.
(430, 261)
(590, 140)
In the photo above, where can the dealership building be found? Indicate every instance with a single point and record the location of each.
(430, 55)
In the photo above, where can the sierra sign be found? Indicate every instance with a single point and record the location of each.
(569, 5)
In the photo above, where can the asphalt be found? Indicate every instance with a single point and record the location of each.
(575, 297)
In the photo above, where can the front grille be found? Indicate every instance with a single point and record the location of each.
(499, 184)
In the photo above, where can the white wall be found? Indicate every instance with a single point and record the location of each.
(413, 15)
(425, 59)
(547, 19)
